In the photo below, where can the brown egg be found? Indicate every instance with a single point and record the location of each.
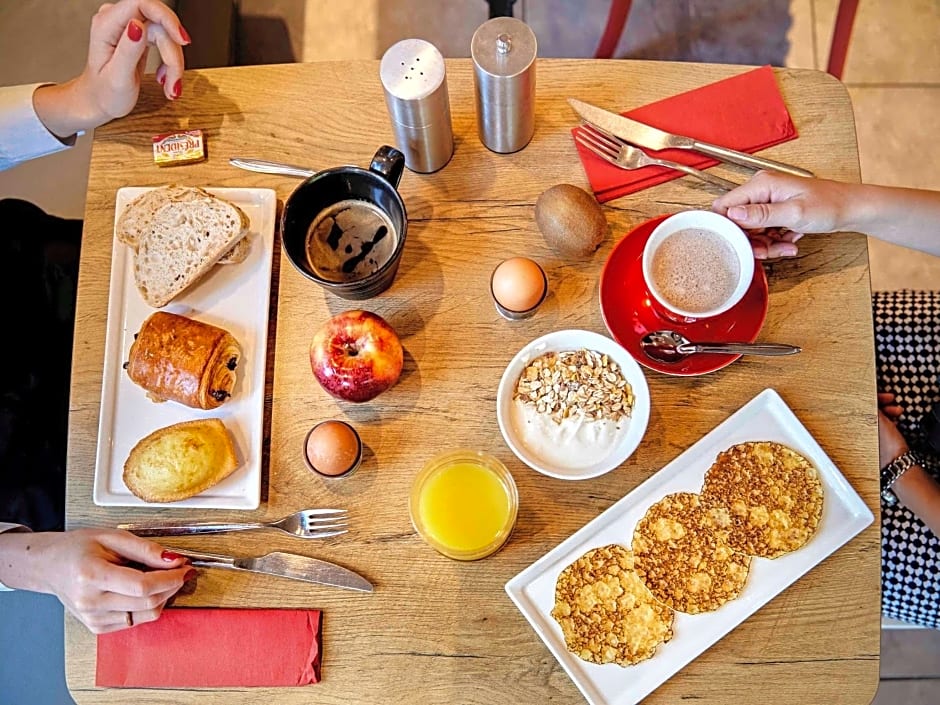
(333, 448)
(518, 284)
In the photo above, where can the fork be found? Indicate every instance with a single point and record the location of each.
(306, 523)
(626, 156)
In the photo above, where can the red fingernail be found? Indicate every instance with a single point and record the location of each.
(185, 35)
(169, 556)
(134, 31)
(190, 574)
(178, 88)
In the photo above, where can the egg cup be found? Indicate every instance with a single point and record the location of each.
(345, 473)
(512, 315)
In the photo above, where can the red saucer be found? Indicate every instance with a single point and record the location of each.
(630, 313)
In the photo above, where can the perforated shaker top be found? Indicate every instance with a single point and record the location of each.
(412, 69)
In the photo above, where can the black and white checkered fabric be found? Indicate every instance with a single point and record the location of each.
(907, 350)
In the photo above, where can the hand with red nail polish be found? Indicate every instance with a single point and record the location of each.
(108, 578)
(109, 86)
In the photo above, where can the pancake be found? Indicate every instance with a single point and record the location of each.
(682, 554)
(773, 493)
(606, 613)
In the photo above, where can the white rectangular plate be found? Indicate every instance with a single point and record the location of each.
(764, 418)
(232, 296)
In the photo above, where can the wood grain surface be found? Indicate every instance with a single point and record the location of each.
(436, 630)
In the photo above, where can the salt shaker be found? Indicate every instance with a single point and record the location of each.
(503, 51)
(415, 83)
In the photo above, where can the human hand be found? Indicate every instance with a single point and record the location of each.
(117, 54)
(777, 210)
(888, 404)
(891, 443)
(87, 569)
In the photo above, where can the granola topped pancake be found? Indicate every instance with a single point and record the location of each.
(774, 495)
(606, 613)
(681, 552)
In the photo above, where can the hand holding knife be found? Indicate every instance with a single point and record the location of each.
(643, 135)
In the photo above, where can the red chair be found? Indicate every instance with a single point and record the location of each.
(845, 18)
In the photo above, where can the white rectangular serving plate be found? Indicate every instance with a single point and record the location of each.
(764, 418)
(233, 296)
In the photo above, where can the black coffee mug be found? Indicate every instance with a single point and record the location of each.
(345, 227)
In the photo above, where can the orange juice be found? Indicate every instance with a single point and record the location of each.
(464, 504)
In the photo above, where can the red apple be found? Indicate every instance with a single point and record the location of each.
(356, 355)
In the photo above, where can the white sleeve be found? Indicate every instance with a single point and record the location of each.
(4, 527)
(22, 134)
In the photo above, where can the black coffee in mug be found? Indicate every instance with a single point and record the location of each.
(345, 227)
(350, 240)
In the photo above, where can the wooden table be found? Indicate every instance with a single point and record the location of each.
(436, 630)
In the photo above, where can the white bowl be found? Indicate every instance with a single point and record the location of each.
(561, 341)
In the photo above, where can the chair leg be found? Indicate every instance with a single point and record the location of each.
(616, 22)
(501, 8)
(845, 18)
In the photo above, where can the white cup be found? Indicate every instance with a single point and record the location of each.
(690, 276)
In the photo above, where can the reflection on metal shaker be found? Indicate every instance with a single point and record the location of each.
(415, 83)
(503, 51)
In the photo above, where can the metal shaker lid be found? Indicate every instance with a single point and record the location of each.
(413, 75)
(503, 46)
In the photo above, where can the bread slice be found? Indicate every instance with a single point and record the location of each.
(184, 240)
(137, 217)
(179, 461)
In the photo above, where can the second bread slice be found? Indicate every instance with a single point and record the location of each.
(184, 240)
(136, 219)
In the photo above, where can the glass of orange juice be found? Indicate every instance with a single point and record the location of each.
(464, 504)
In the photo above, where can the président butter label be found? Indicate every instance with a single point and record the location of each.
(175, 148)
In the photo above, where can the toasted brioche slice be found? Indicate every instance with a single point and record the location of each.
(180, 461)
(185, 240)
(137, 217)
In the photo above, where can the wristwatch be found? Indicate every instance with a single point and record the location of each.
(893, 470)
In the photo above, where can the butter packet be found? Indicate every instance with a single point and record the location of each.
(175, 148)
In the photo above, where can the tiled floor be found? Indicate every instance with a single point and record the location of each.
(892, 73)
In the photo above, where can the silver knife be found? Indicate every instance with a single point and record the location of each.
(263, 166)
(285, 565)
(642, 135)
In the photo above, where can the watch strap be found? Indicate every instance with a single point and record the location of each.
(893, 470)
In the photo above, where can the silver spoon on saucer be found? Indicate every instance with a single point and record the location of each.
(669, 346)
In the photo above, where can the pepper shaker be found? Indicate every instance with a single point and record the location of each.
(503, 51)
(415, 83)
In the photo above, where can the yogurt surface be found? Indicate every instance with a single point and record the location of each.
(573, 443)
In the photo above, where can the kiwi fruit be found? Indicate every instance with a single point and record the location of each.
(571, 220)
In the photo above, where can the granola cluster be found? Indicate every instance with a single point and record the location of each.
(562, 384)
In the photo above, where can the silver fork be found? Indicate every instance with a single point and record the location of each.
(307, 524)
(626, 156)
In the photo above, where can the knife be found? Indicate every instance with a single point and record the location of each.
(263, 166)
(285, 565)
(642, 135)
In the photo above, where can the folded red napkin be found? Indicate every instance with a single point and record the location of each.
(745, 112)
(206, 648)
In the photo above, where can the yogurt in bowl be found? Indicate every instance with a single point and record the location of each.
(573, 404)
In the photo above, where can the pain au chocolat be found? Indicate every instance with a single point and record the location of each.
(184, 360)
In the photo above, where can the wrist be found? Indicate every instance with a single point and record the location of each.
(68, 108)
(893, 474)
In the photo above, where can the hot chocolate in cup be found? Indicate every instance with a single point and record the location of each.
(697, 264)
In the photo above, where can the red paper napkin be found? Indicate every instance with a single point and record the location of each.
(214, 648)
(745, 112)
